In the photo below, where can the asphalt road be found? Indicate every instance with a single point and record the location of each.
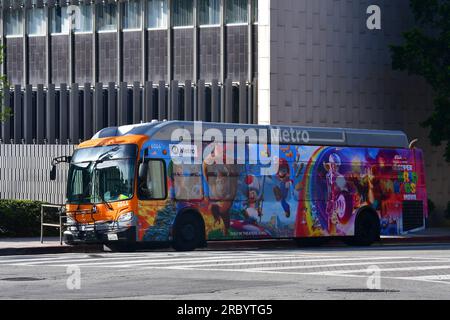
(406, 272)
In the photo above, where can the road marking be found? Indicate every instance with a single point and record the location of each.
(152, 261)
(382, 270)
(295, 260)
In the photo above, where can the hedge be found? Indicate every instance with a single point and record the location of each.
(21, 218)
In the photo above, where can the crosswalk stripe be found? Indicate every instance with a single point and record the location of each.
(151, 261)
(382, 270)
(440, 277)
(87, 258)
(296, 260)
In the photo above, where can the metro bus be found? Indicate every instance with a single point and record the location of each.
(133, 184)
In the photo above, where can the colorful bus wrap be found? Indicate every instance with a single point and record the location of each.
(136, 184)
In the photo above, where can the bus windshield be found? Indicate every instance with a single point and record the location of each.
(101, 174)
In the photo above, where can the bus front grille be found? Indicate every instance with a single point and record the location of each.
(412, 215)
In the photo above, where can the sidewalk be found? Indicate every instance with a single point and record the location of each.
(19, 246)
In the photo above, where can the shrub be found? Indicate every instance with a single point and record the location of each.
(431, 207)
(447, 211)
(20, 218)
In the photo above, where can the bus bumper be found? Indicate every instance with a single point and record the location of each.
(80, 235)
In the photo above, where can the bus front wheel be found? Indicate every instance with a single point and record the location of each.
(188, 232)
(367, 229)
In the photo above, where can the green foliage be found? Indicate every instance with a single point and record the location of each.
(19, 218)
(426, 52)
(431, 206)
(5, 111)
(447, 211)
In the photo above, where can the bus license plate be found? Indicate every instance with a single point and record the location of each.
(112, 237)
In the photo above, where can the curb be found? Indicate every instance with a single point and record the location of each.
(227, 245)
(50, 250)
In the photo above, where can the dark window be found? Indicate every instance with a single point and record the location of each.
(187, 182)
(154, 186)
(84, 22)
(182, 12)
(255, 11)
(209, 12)
(157, 14)
(132, 14)
(106, 17)
(222, 181)
(35, 21)
(14, 25)
(59, 20)
(237, 11)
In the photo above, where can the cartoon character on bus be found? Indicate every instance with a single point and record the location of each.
(338, 203)
(253, 211)
(223, 186)
(284, 183)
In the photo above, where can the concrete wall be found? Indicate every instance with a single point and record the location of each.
(328, 69)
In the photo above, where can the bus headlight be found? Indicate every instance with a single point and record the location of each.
(125, 217)
(70, 221)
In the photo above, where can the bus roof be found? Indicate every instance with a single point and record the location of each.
(294, 135)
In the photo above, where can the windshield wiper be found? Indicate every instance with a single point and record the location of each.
(103, 157)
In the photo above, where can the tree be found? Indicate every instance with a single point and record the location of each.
(426, 52)
(5, 111)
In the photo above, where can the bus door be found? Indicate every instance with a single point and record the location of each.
(153, 208)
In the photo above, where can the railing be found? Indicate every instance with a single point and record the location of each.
(25, 172)
(60, 225)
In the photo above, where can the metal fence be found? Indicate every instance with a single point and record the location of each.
(24, 172)
(68, 115)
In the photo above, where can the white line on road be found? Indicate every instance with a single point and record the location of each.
(295, 260)
(152, 261)
(382, 270)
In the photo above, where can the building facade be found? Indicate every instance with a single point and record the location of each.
(127, 41)
(305, 62)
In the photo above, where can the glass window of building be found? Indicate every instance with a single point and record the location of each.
(83, 23)
(132, 14)
(255, 11)
(209, 12)
(237, 11)
(157, 14)
(106, 17)
(59, 20)
(35, 21)
(14, 23)
(182, 13)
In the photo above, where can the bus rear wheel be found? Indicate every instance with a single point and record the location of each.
(188, 233)
(367, 229)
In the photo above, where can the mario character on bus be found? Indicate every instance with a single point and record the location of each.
(284, 183)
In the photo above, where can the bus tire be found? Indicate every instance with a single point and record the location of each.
(188, 232)
(367, 229)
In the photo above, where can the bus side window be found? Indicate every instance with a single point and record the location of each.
(154, 186)
(187, 182)
(222, 181)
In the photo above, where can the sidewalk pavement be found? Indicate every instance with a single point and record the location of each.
(23, 246)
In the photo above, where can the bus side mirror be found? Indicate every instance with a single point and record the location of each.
(53, 173)
(143, 168)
